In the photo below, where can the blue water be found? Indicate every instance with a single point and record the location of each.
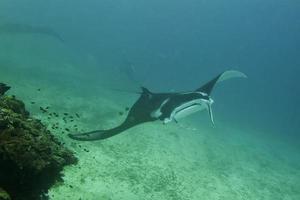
(173, 46)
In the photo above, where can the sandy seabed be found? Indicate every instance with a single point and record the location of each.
(155, 161)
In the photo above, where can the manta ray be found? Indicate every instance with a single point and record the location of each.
(14, 28)
(166, 107)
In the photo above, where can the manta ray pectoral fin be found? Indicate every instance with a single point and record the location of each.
(210, 113)
(229, 74)
(208, 87)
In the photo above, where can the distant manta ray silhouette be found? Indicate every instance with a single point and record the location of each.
(166, 107)
(14, 28)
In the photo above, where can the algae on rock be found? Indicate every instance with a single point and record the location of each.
(4, 195)
(31, 158)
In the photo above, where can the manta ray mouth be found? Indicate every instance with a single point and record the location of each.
(189, 107)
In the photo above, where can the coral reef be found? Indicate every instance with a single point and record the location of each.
(3, 88)
(4, 195)
(31, 158)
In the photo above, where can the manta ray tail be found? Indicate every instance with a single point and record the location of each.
(93, 135)
(208, 87)
(99, 134)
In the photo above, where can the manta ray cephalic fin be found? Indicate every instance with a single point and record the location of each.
(210, 114)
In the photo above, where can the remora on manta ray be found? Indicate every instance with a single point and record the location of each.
(166, 107)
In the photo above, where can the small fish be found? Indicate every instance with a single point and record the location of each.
(86, 150)
(43, 110)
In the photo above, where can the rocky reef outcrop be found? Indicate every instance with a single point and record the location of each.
(31, 158)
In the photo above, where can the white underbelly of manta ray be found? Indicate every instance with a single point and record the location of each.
(166, 107)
